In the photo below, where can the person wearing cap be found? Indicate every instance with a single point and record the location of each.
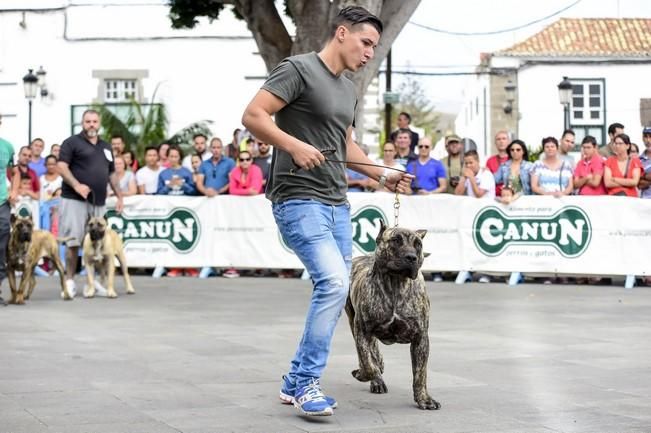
(453, 163)
(493, 163)
(404, 120)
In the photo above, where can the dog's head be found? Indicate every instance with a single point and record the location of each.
(400, 251)
(96, 228)
(23, 226)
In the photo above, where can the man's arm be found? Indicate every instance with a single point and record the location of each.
(257, 119)
(66, 174)
(395, 179)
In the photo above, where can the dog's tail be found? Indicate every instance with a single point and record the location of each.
(65, 239)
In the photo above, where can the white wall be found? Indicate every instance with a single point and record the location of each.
(471, 122)
(199, 78)
(541, 114)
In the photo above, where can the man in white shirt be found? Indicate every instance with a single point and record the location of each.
(147, 176)
(199, 143)
(475, 181)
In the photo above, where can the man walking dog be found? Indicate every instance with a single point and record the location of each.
(314, 107)
(86, 165)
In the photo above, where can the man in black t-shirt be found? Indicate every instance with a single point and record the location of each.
(86, 165)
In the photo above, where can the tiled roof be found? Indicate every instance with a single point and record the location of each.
(588, 37)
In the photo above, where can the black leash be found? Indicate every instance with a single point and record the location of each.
(396, 202)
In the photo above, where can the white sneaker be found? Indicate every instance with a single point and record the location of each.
(72, 289)
(484, 279)
(437, 278)
(99, 289)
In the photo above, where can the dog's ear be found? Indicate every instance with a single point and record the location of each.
(383, 227)
(421, 233)
(425, 255)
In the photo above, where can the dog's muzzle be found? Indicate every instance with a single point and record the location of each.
(25, 236)
(96, 235)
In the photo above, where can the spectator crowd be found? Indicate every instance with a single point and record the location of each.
(242, 166)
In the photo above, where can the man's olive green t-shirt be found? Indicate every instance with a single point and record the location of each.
(320, 109)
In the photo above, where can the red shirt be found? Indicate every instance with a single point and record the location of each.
(585, 168)
(253, 180)
(493, 163)
(36, 187)
(611, 163)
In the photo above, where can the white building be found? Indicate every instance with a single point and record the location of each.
(103, 53)
(607, 61)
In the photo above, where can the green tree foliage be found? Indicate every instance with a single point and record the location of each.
(414, 101)
(144, 125)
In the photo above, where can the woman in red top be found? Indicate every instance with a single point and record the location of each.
(622, 172)
(245, 179)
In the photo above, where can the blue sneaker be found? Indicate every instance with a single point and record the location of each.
(310, 400)
(288, 389)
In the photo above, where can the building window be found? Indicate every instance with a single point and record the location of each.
(588, 109)
(587, 106)
(120, 90)
(115, 86)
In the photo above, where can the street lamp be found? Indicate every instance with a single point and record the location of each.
(30, 82)
(509, 91)
(565, 97)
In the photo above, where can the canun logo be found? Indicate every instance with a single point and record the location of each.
(180, 228)
(568, 230)
(366, 226)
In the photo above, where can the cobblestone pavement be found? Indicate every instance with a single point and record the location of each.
(189, 355)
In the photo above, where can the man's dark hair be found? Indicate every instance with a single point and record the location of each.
(117, 136)
(148, 148)
(47, 158)
(90, 111)
(403, 131)
(472, 153)
(407, 115)
(549, 140)
(568, 131)
(613, 127)
(199, 135)
(177, 148)
(23, 148)
(353, 15)
(589, 139)
(36, 139)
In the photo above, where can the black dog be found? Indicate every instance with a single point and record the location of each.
(388, 302)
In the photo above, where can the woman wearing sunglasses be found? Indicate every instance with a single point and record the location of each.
(246, 178)
(515, 172)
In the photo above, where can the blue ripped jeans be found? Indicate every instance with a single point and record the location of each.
(321, 236)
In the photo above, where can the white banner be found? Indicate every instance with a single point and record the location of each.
(577, 235)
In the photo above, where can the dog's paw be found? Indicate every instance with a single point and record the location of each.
(131, 291)
(111, 294)
(362, 376)
(427, 403)
(89, 293)
(378, 386)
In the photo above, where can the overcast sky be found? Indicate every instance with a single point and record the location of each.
(424, 50)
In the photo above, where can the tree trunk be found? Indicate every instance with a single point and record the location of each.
(267, 29)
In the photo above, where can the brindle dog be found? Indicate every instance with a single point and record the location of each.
(26, 247)
(388, 302)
